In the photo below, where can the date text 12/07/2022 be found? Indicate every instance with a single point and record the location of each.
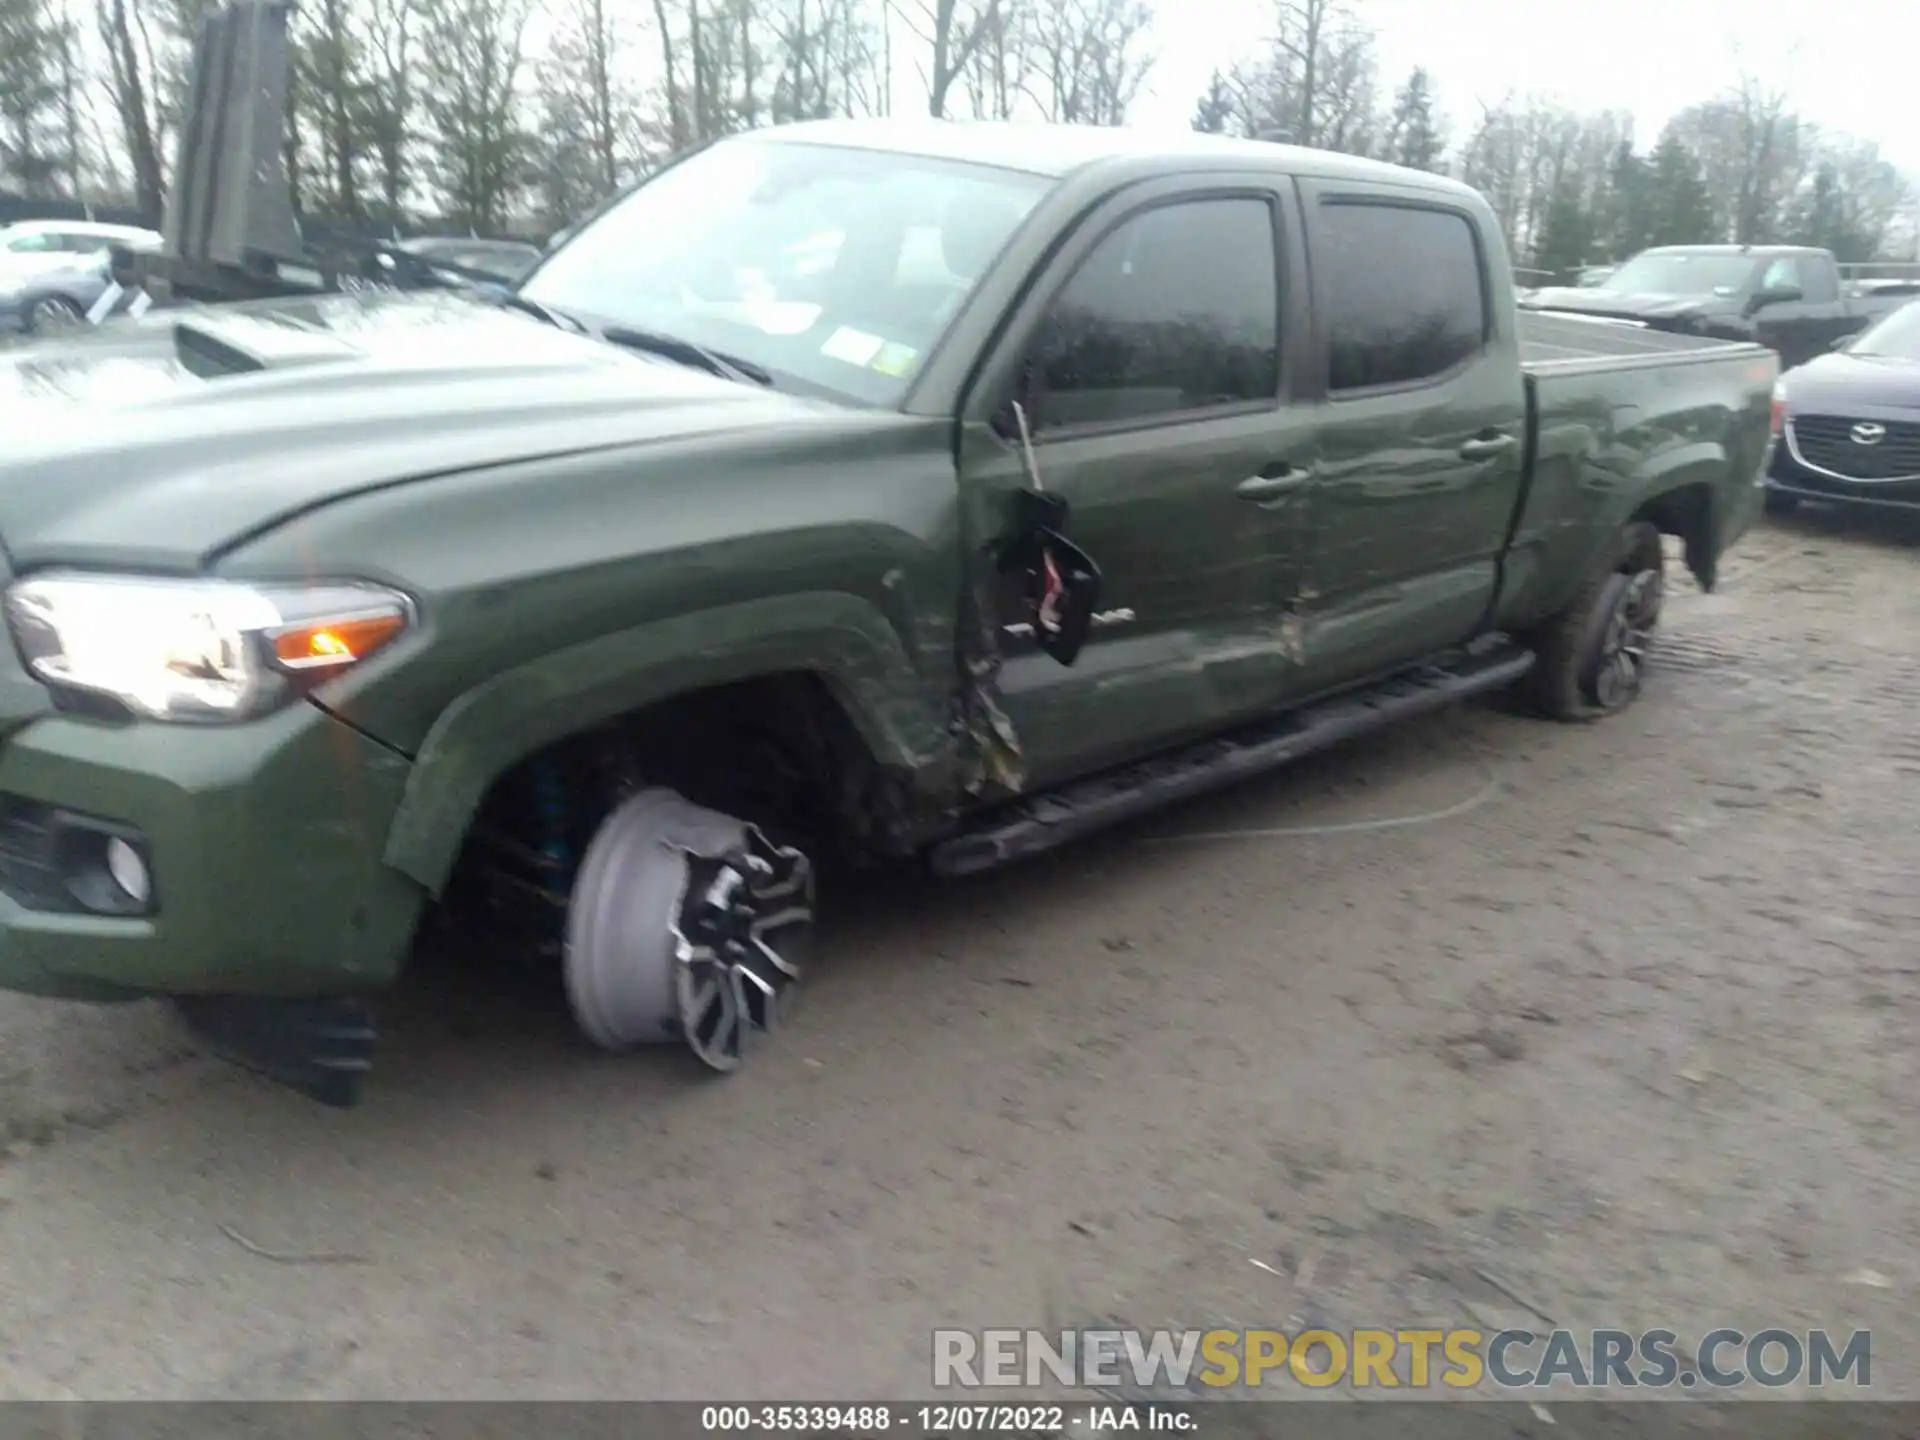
(944, 1419)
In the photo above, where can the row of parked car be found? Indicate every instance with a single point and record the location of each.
(58, 273)
(1846, 422)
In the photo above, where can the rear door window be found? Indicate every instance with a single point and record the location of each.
(1404, 292)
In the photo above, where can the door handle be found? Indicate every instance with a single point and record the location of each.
(1272, 482)
(1486, 447)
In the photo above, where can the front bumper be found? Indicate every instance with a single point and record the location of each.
(1787, 476)
(264, 842)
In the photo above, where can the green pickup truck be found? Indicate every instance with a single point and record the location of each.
(847, 493)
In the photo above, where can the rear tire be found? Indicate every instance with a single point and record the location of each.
(1592, 655)
(52, 314)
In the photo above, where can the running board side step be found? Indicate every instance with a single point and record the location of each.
(1043, 822)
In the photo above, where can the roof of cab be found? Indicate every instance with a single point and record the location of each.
(1058, 150)
(1757, 252)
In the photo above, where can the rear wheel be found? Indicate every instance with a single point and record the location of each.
(1592, 656)
(53, 313)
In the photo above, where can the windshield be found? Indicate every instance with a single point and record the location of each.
(1681, 274)
(1895, 338)
(837, 267)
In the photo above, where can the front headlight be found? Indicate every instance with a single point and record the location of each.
(196, 650)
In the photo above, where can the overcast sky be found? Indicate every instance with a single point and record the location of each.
(1850, 65)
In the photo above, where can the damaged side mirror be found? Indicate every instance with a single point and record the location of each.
(1060, 582)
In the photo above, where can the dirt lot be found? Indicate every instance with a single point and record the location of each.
(1617, 1034)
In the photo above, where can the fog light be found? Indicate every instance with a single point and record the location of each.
(128, 870)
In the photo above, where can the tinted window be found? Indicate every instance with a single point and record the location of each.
(1819, 282)
(1404, 294)
(1177, 309)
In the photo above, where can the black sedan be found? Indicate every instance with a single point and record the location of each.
(1847, 425)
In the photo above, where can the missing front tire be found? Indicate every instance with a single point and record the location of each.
(685, 924)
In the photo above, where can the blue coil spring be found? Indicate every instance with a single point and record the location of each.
(553, 807)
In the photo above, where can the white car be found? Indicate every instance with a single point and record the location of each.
(32, 246)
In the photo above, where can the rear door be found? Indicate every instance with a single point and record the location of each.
(1155, 358)
(1421, 420)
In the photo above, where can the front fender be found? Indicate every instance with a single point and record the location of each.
(841, 638)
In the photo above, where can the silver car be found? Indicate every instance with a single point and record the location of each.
(53, 272)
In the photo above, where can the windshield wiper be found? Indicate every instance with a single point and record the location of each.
(654, 342)
(559, 319)
(673, 347)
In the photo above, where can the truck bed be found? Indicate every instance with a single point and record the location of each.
(1553, 341)
(1607, 401)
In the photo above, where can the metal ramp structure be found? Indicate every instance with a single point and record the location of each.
(229, 225)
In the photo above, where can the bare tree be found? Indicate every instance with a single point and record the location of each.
(717, 73)
(471, 58)
(951, 31)
(392, 27)
(1342, 106)
(829, 51)
(330, 81)
(132, 81)
(1313, 86)
(1852, 203)
(1089, 57)
(591, 47)
(587, 139)
(1753, 153)
(35, 43)
(679, 118)
(998, 74)
(1303, 30)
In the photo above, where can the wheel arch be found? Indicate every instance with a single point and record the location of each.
(1685, 509)
(1677, 496)
(838, 641)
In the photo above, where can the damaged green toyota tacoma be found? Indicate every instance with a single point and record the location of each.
(847, 492)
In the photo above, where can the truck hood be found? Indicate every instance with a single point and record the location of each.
(1872, 386)
(1654, 309)
(160, 441)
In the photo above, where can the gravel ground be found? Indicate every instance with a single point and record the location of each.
(1616, 1035)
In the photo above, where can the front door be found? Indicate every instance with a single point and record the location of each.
(1150, 363)
(1805, 328)
(1422, 429)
